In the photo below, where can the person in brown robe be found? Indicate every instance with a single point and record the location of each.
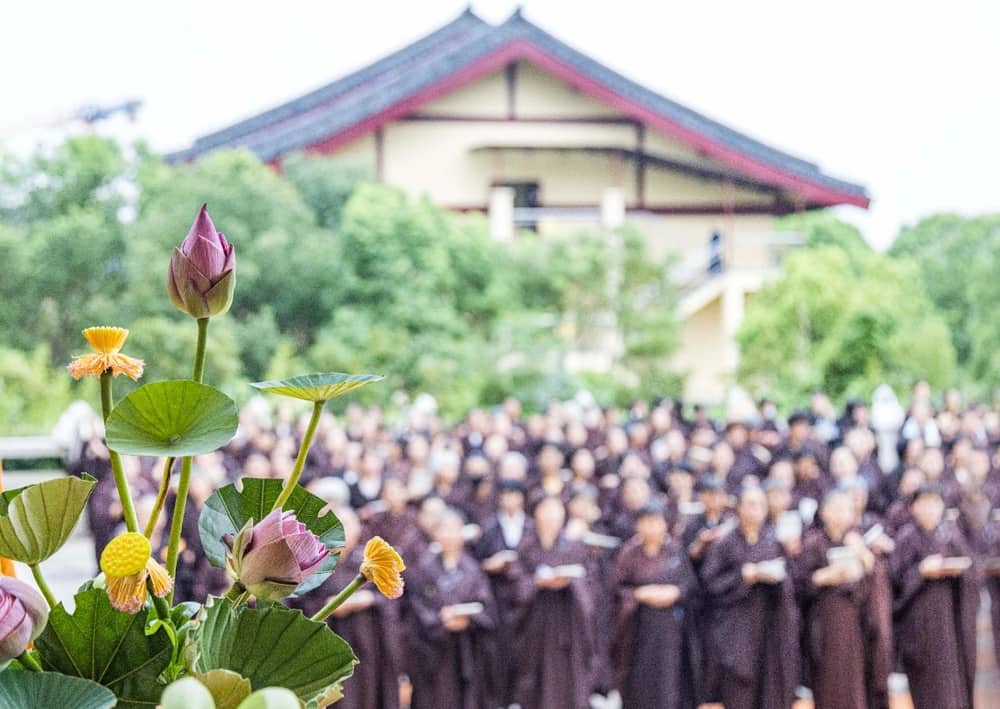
(104, 512)
(368, 621)
(990, 564)
(747, 463)
(837, 599)
(700, 533)
(397, 523)
(498, 550)
(556, 636)
(454, 617)
(754, 625)
(880, 639)
(935, 604)
(707, 526)
(655, 587)
(585, 524)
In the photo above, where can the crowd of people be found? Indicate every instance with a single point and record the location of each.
(648, 551)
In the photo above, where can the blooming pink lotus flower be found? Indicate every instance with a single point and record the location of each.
(23, 615)
(202, 273)
(275, 555)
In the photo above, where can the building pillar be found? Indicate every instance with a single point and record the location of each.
(612, 219)
(502, 214)
(613, 208)
(733, 307)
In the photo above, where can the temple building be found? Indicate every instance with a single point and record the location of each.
(510, 121)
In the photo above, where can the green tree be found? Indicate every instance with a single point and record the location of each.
(165, 345)
(842, 327)
(82, 173)
(59, 221)
(334, 273)
(822, 228)
(983, 328)
(951, 252)
(646, 317)
(325, 183)
(33, 394)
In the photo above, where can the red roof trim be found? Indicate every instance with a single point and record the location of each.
(808, 190)
(776, 209)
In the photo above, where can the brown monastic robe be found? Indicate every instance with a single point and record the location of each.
(450, 669)
(935, 619)
(991, 551)
(842, 636)
(652, 668)
(556, 636)
(880, 639)
(753, 630)
(510, 610)
(401, 530)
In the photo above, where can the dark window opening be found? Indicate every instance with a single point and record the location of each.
(526, 197)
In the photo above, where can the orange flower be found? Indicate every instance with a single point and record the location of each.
(383, 567)
(127, 562)
(106, 343)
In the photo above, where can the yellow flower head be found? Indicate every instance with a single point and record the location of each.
(106, 343)
(383, 566)
(127, 562)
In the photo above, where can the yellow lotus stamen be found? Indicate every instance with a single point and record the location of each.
(106, 340)
(128, 593)
(127, 562)
(106, 343)
(383, 567)
(125, 555)
(162, 583)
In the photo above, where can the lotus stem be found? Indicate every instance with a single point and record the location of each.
(177, 522)
(199, 353)
(161, 496)
(334, 603)
(28, 662)
(300, 459)
(162, 609)
(36, 571)
(121, 482)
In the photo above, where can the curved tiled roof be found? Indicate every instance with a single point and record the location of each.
(369, 92)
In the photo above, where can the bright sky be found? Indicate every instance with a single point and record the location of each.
(902, 96)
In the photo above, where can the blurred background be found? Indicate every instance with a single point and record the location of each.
(723, 207)
(491, 200)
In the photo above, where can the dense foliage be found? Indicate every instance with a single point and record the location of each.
(959, 259)
(844, 319)
(335, 271)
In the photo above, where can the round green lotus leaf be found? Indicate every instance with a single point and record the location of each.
(273, 647)
(272, 698)
(105, 645)
(44, 690)
(187, 693)
(36, 520)
(174, 418)
(318, 387)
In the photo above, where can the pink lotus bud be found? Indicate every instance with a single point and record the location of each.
(274, 556)
(23, 615)
(202, 273)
